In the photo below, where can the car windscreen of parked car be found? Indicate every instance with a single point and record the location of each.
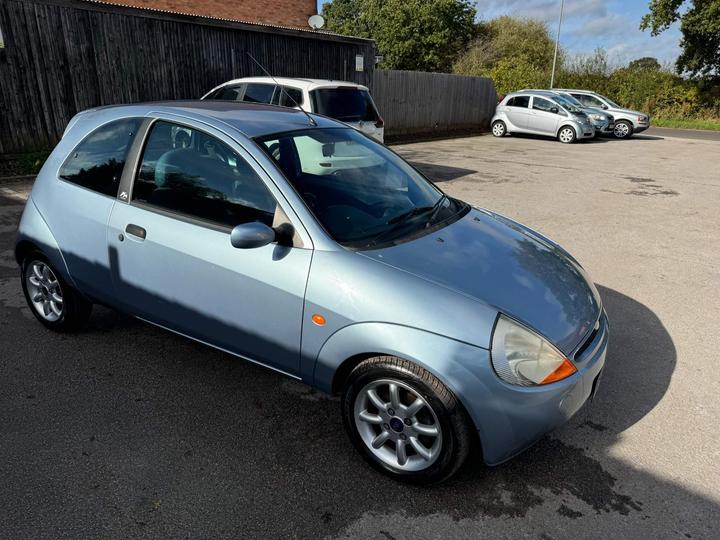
(348, 104)
(567, 104)
(361, 192)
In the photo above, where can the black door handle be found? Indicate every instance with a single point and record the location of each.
(136, 230)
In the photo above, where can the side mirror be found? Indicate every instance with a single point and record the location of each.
(605, 107)
(554, 110)
(251, 235)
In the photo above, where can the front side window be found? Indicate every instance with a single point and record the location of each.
(541, 104)
(97, 163)
(189, 172)
(519, 101)
(347, 104)
(228, 93)
(362, 193)
(259, 93)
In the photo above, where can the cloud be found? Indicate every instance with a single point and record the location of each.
(588, 24)
(613, 25)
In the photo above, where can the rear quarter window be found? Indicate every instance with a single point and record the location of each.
(519, 101)
(97, 163)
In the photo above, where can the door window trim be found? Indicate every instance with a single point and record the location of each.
(139, 145)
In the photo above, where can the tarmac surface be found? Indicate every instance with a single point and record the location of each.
(127, 431)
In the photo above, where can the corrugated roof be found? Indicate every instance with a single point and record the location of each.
(223, 19)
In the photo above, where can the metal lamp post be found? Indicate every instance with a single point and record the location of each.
(557, 44)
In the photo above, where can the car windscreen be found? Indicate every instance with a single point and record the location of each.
(572, 100)
(567, 104)
(612, 103)
(362, 193)
(347, 104)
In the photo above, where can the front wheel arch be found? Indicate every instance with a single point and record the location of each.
(23, 248)
(567, 126)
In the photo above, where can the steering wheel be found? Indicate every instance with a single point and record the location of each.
(383, 209)
(217, 151)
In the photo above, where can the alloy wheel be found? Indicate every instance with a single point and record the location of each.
(498, 129)
(44, 291)
(621, 130)
(397, 425)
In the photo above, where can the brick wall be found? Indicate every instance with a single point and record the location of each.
(281, 12)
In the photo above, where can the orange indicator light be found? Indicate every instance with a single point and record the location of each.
(319, 319)
(563, 372)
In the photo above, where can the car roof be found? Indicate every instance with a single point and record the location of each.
(251, 119)
(575, 90)
(537, 92)
(305, 84)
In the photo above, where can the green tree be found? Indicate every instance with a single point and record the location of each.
(646, 63)
(700, 27)
(515, 53)
(420, 35)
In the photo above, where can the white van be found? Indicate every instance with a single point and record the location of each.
(348, 102)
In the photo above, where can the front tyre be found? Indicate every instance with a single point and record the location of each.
(623, 129)
(567, 135)
(499, 129)
(53, 302)
(404, 421)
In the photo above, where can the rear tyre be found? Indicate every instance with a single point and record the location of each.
(567, 135)
(499, 129)
(54, 303)
(404, 421)
(623, 129)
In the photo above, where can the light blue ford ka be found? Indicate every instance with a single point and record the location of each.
(298, 243)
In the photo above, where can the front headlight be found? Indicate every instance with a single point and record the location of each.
(597, 117)
(521, 357)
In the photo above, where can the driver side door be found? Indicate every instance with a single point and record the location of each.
(544, 116)
(171, 259)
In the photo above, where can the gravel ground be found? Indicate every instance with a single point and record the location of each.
(129, 431)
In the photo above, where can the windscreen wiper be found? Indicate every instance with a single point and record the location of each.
(411, 213)
(398, 223)
(436, 209)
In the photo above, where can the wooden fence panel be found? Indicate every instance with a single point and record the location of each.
(417, 103)
(64, 56)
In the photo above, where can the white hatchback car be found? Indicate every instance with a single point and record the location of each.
(345, 101)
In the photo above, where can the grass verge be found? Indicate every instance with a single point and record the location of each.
(684, 123)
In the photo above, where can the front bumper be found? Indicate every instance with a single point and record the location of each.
(516, 417)
(639, 128)
(604, 128)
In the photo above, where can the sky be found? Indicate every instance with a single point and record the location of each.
(589, 24)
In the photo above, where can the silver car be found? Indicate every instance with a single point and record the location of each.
(541, 113)
(627, 121)
(602, 121)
